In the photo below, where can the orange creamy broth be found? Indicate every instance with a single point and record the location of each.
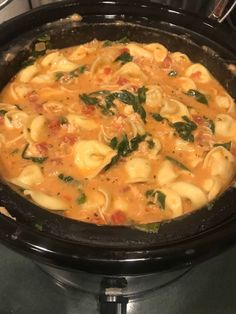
(176, 168)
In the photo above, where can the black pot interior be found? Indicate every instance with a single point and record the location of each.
(141, 22)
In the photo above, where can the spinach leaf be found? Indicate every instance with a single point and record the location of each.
(71, 74)
(142, 94)
(157, 117)
(149, 228)
(135, 101)
(198, 96)
(88, 100)
(82, 198)
(123, 40)
(64, 178)
(107, 43)
(185, 129)
(124, 58)
(63, 120)
(2, 112)
(124, 147)
(157, 196)
(172, 73)
(177, 163)
(225, 145)
(38, 160)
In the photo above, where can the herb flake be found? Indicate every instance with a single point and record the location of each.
(198, 96)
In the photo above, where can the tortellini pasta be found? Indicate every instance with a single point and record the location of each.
(138, 170)
(159, 51)
(57, 62)
(173, 202)
(79, 121)
(28, 73)
(46, 201)
(190, 192)
(154, 97)
(131, 70)
(137, 51)
(220, 162)
(37, 127)
(174, 110)
(29, 177)
(198, 72)
(117, 133)
(225, 126)
(166, 173)
(92, 156)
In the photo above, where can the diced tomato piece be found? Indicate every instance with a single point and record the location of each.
(54, 125)
(124, 50)
(166, 63)
(88, 109)
(33, 96)
(196, 75)
(107, 70)
(42, 148)
(122, 81)
(118, 217)
(66, 197)
(70, 139)
(233, 149)
(1, 120)
(198, 119)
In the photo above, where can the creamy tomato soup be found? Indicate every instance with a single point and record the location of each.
(117, 133)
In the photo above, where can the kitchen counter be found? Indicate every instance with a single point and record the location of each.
(207, 288)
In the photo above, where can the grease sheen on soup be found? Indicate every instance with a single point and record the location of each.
(117, 133)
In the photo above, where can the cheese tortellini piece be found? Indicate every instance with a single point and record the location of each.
(138, 170)
(37, 127)
(190, 192)
(56, 61)
(81, 52)
(15, 119)
(159, 51)
(78, 121)
(166, 173)
(226, 102)
(174, 110)
(131, 70)
(225, 126)
(28, 73)
(19, 91)
(213, 186)
(220, 162)
(29, 177)
(180, 58)
(92, 156)
(46, 201)
(137, 51)
(153, 97)
(198, 72)
(100, 63)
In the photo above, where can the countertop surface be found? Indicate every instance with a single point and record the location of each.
(207, 288)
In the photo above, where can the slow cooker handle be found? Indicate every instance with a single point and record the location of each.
(112, 299)
(218, 13)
